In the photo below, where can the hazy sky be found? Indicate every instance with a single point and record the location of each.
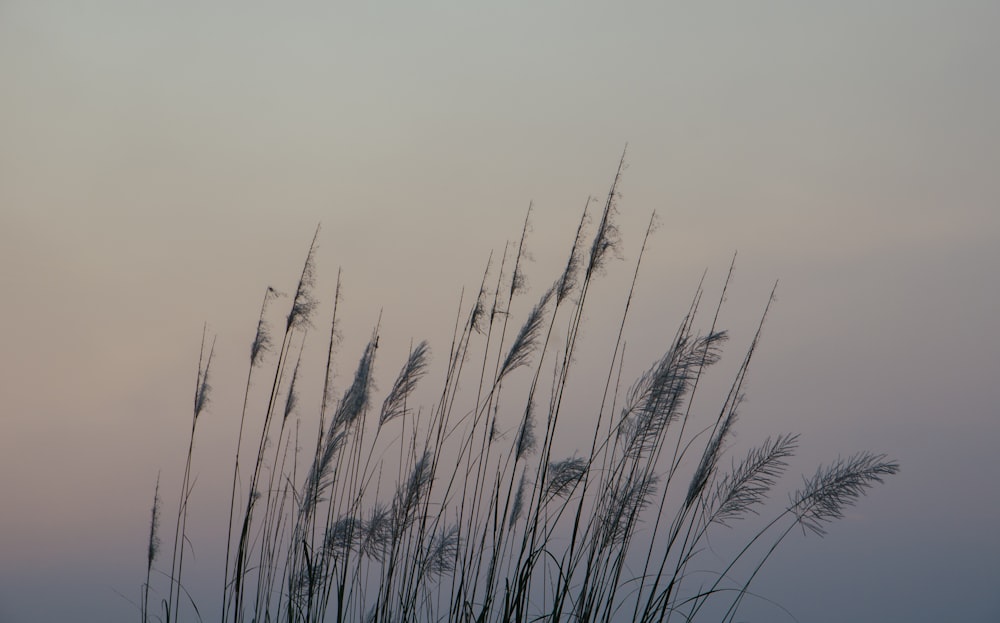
(162, 163)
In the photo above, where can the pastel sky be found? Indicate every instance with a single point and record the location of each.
(162, 163)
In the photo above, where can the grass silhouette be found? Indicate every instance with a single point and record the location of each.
(459, 522)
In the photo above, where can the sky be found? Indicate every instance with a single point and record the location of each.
(161, 164)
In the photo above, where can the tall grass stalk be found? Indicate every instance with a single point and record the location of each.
(469, 508)
(202, 390)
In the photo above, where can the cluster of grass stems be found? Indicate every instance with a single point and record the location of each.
(397, 513)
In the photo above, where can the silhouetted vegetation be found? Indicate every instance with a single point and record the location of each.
(458, 521)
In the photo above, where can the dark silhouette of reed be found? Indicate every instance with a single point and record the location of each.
(482, 526)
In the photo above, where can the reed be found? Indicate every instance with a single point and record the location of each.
(406, 511)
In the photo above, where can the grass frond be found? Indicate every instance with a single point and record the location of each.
(343, 536)
(710, 458)
(412, 493)
(441, 552)
(527, 338)
(262, 341)
(377, 533)
(626, 501)
(607, 238)
(824, 496)
(292, 399)
(526, 433)
(746, 486)
(518, 507)
(304, 302)
(658, 396)
(563, 475)
(414, 368)
(204, 389)
(570, 276)
(355, 399)
(154, 525)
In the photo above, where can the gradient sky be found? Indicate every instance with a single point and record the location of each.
(161, 163)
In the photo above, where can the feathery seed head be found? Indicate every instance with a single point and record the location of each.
(607, 239)
(355, 399)
(415, 367)
(518, 508)
(527, 338)
(377, 534)
(748, 483)
(304, 303)
(441, 553)
(568, 280)
(293, 398)
(154, 525)
(526, 434)
(710, 458)
(343, 535)
(659, 395)
(624, 504)
(411, 493)
(826, 494)
(204, 389)
(262, 342)
(563, 476)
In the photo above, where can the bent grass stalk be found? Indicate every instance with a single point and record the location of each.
(486, 520)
